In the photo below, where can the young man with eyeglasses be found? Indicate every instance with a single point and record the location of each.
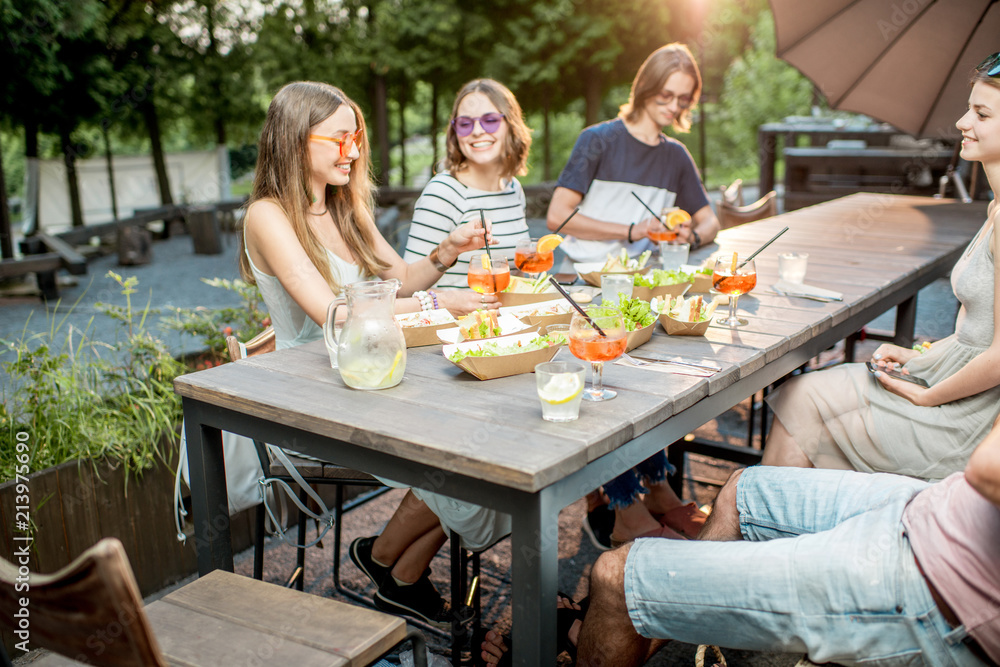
(630, 154)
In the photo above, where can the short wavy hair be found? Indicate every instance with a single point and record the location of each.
(515, 154)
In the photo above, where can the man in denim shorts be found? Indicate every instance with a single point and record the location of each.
(849, 567)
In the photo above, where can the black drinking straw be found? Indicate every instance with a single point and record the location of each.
(573, 303)
(757, 252)
(575, 211)
(493, 280)
(655, 214)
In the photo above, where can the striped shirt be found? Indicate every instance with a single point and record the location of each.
(446, 203)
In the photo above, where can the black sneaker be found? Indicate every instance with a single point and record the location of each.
(361, 555)
(421, 600)
(598, 525)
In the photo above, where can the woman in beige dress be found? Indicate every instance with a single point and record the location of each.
(845, 417)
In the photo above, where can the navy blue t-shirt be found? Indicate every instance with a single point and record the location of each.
(608, 164)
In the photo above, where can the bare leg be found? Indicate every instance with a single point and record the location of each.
(607, 637)
(418, 556)
(409, 523)
(723, 523)
(782, 450)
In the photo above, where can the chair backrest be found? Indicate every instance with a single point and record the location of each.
(90, 610)
(732, 216)
(259, 344)
(733, 194)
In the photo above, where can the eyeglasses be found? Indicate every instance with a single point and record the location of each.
(683, 101)
(346, 142)
(990, 66)
(490, 122)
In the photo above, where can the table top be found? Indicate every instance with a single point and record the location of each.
(867, 246)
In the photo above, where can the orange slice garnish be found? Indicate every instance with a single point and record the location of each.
(485, 261)
(548, 243)
(735, 258)
(676, 218)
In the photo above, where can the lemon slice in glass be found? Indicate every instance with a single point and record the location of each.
(561, 389)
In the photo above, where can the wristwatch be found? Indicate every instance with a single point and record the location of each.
(437, 262)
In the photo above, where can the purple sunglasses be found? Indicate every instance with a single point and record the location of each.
(490, 122)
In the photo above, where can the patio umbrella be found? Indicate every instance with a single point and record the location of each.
(904, 62)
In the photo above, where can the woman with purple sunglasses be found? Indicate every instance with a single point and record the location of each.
(487, 147)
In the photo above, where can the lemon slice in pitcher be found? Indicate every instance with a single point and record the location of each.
(561, 389)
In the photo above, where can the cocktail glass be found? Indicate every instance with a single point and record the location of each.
(529, 260)
(733, 281)
(586, 343)
(488, 274)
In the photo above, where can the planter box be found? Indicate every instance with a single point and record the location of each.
(72, 507)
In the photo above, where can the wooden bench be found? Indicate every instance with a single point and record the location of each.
(814, 175)
(91, 610)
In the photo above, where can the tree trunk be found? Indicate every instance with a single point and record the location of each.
(434, 126)
(6, 238)
(156, 142)
(592, 97)
(547, 144)
(402, 134)
(111, 173)
(69, 157)
(382, 129)
(215, 70)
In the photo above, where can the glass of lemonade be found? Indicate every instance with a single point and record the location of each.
(560, 389)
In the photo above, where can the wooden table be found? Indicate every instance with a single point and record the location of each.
(485, 442)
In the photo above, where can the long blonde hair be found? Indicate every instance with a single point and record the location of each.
(653, 75)
(515, 150)
(283, 177)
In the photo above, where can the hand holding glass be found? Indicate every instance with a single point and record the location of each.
(733, 284)
(586, 343)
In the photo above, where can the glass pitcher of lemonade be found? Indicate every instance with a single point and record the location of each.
(371, 350)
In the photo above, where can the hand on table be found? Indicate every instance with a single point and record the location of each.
(462, 302)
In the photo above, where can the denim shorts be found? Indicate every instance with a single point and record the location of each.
(825, 568)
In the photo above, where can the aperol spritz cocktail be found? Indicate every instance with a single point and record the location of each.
(528, 259)
(488, 274)
(734, 281)
(588, 344)
(670, 220)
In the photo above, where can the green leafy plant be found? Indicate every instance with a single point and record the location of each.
(80, 398)
(213, 325)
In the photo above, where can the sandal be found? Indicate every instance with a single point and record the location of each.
(565, 617)
(478, 637)
(658, 532)
(687, 520)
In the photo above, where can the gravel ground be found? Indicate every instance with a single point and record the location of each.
(174, 278)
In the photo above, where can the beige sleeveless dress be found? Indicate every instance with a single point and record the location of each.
(843, 418)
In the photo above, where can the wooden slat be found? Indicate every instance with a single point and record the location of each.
(72, 261)
(10, 268)
(357, 634)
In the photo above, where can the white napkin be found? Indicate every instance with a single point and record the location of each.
(801, 289)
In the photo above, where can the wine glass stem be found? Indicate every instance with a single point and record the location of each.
(597, 383)
(732, 307)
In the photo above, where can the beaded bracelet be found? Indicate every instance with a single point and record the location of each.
(424, 299)
(434, 298)
(630, 233)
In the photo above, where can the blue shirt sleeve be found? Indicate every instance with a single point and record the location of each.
(581, 168)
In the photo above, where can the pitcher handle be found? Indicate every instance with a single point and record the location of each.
(329, 330)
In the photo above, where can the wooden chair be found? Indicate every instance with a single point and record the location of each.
(731, 215)
(91, 611)
(321, 472)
